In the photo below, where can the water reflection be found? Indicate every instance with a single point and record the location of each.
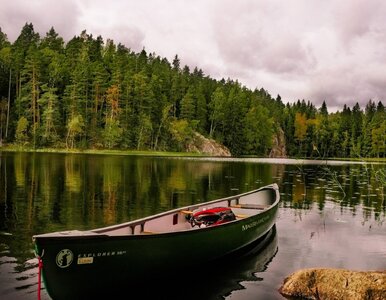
(347, 185)
(50, 192)
(217, 280)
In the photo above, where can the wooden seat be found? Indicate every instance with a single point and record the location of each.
(148, 232)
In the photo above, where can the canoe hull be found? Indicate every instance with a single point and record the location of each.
(79, 267)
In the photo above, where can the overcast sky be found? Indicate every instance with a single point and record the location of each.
(301, 49)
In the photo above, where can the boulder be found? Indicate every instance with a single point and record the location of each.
(335, 284)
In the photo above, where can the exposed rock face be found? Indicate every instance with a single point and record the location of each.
(207, 146)
(335, 284)
(278, 145)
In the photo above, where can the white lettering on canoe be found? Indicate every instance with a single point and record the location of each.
(254, 223)
(102, 254)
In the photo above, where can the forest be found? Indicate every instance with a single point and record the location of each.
(88, 93)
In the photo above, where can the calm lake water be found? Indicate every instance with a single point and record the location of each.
(330, 215)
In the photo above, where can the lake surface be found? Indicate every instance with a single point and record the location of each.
(331, 215)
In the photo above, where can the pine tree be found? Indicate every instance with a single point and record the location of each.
(216, 110)
(258, 130)
(188, 105)
(356, 130)
(112, 131)
(27, 102)
(50, 115)
(27, 39)
(5, 81)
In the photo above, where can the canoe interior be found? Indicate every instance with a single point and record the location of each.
(243, 206)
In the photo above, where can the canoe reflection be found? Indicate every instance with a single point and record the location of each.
(216, 280)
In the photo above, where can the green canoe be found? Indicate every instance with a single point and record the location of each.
(84, 264)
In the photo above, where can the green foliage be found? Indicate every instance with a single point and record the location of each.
(112, 133)
(75, 128)
(216, 106)
(21, 137)
(187, 105)
(3, 118)
(90, 94)
(378, 141)
(258, 131)
(50, 116)
(182, 133)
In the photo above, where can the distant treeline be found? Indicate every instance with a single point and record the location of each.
(88, 93)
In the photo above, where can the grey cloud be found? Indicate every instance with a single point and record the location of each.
(253, 41)
(356, 18)
(334, 51)
(346, 86)
(62, 15)
(129, 36)
(288, 56)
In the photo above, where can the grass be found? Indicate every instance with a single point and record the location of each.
(13, 148)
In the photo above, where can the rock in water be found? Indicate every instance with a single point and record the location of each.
(335, 284)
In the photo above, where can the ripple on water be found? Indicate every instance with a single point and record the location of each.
(19, 281)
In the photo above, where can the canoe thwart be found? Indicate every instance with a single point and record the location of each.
(241, 216)
(250, 206)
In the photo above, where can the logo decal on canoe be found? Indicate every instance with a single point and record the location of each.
(254, 223)
(85, 260)
(64, 258)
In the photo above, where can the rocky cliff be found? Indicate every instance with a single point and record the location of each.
(201, 144)
(278, 145)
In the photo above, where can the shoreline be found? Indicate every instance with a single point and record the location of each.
(203, 156)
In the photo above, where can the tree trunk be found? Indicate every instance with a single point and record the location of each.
(9, 102)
